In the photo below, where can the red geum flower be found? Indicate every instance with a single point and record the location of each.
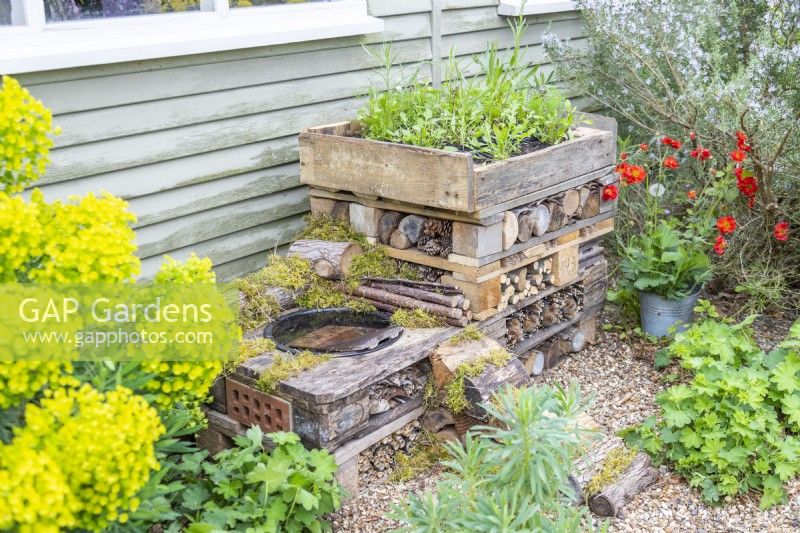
(726, 224)
(747, 186)
(741, 141)
(704, 154)
(738, 155)
(674, 143)
(623, 156)
(610, 193)
(630, 174)
(737, 171)
(781, 231)
(720, 244)
(692, 135)
(671, 162)
(692, 194)
(644, 147)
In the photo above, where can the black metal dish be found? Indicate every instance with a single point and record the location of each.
(290, 329)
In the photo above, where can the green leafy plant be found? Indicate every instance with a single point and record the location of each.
(734, 426)
(511, 476)
(248, 489)
(493, 116)
(704, 70)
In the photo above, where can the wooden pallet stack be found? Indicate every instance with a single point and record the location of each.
(518, 237)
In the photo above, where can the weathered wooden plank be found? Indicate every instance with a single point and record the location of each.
(176, 203)
(341, 377)
(505, 180)
(173, 234)
(387, 170)
(359, 444)
(233, 246)
(126, 152)
(391, 205)
(528, 247)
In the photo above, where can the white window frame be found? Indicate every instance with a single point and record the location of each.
(512, 8)
(37, 45)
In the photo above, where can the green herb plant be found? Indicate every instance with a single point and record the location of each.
(490, 115)
(247, 489)
(733, 427)
(511, 476)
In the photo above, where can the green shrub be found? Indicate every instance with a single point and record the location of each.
(508, 477)
(490, 115)
(734, 426)
(700, 71)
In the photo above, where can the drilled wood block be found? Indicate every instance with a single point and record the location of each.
(565, 266)
(482, 296)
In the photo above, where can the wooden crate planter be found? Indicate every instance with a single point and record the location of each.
(335, 157)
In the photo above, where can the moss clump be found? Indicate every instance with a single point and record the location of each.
(248, 349)
(616, 462)
(287, 366)
(469, 333)
(455, 391)
(291, 273)
(322, 294)
(257, 307)
(375, 262)
(327, 228)
(429, 396)
(429, 451)
(416, 318)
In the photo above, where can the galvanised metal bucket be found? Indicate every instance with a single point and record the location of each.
(659, 314)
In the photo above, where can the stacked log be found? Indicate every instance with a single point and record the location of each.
(445, 301)
(561, 306)
(378, 461)
(398, 388)
(527, 281)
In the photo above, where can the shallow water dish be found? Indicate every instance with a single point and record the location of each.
(340, 332)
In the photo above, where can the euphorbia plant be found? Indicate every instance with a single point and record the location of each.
(670, 254)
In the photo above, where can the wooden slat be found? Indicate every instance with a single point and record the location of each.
(344, 376)
(505, 180)
(175, 203)
(391, 205)
(485, 18)
(259, 239)
(126, 152)
(387, 170)
(143, 117)
(165, 236)
(528, 247)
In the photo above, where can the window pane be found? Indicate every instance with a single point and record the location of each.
(251, 3)
(57, 10)
(11, 13)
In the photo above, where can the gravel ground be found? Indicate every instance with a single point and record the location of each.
(618, 374)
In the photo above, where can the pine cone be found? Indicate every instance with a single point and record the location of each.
(434, 228)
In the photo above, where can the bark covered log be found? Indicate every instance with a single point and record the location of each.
(420, 294)
(330, 260)
(637, 477)
(408, 302)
